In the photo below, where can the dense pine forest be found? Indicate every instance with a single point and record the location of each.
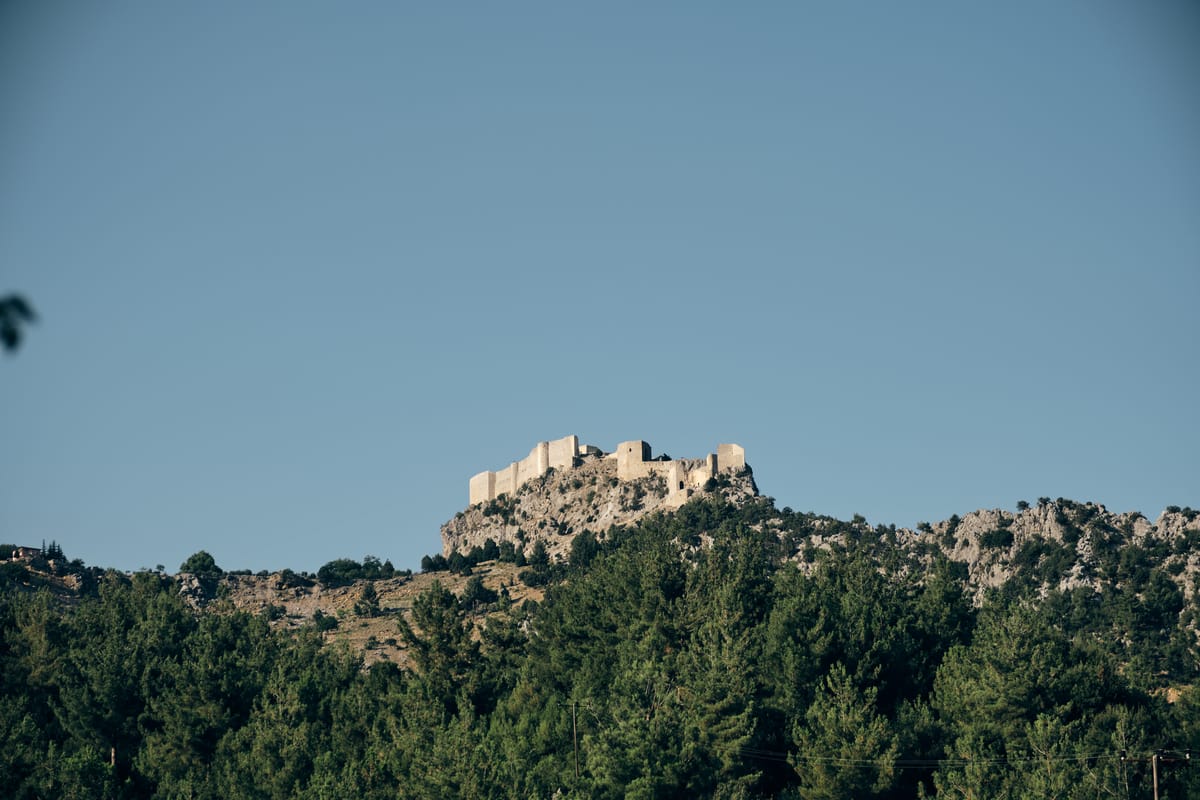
(714, 652)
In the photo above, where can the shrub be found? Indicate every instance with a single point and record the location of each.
(368, 602)
(459, 564)
(506, 552)
(475, 594)
(290, 580)
(200, 563)
(538, 576)
(539, 557)
(12, 572)
(434, 563)
(324, 622)
(996, 538)
(584, 549)
(339, 572)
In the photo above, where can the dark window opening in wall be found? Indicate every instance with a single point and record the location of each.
(681, 484)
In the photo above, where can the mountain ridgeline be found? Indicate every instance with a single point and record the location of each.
(1053, 544)
(726, 648)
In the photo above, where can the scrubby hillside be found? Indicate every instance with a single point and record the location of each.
(361, 613)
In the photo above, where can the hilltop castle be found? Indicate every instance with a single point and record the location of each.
(633, 461)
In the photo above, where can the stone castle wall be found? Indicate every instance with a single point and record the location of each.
(633, 459)
(559, 454)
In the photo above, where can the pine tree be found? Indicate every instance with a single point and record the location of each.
(844, 748)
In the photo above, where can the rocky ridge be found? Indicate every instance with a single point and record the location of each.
(1056, 544)
(557, 506)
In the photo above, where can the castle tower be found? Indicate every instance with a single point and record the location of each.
(731, 457)
(630, 458)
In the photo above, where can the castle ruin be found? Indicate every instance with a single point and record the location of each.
(682, 476)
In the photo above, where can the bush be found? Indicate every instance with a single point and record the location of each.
(12, 572)
(290, 580)
(506, 552)
(533, 578)
(539, 557)
(342, 571)
(996, 538)
(368, 602)
(339, 572)
(584, 549)
(459, 564)
(324, 622)
(373, 570)
(1030, 553)
(475, 594)
(201, 563)
(435, 563)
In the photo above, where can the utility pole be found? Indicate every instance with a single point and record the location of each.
(575, 744)
(1160, 756)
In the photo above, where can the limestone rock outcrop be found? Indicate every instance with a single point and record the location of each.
(556, 506)
(997, 545)
(1060, 544)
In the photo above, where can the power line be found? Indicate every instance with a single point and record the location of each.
(925, 763)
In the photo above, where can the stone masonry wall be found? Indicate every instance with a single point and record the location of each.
(633, 462)
(559, 454)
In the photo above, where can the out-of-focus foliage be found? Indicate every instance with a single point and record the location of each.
(16, 314)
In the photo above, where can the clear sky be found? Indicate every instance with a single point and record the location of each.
(305, 267)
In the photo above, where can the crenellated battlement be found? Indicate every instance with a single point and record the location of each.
(633, 459)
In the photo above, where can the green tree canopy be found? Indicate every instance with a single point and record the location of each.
(201, 563)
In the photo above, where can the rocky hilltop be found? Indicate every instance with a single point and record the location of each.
(1066, 545)
(1053, 545)
(1056, 544)
(553, 508)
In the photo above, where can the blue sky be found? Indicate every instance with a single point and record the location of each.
(303, 268)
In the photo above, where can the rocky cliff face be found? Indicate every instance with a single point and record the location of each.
(1059, 544)
(554, 508)
(1069, 545)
